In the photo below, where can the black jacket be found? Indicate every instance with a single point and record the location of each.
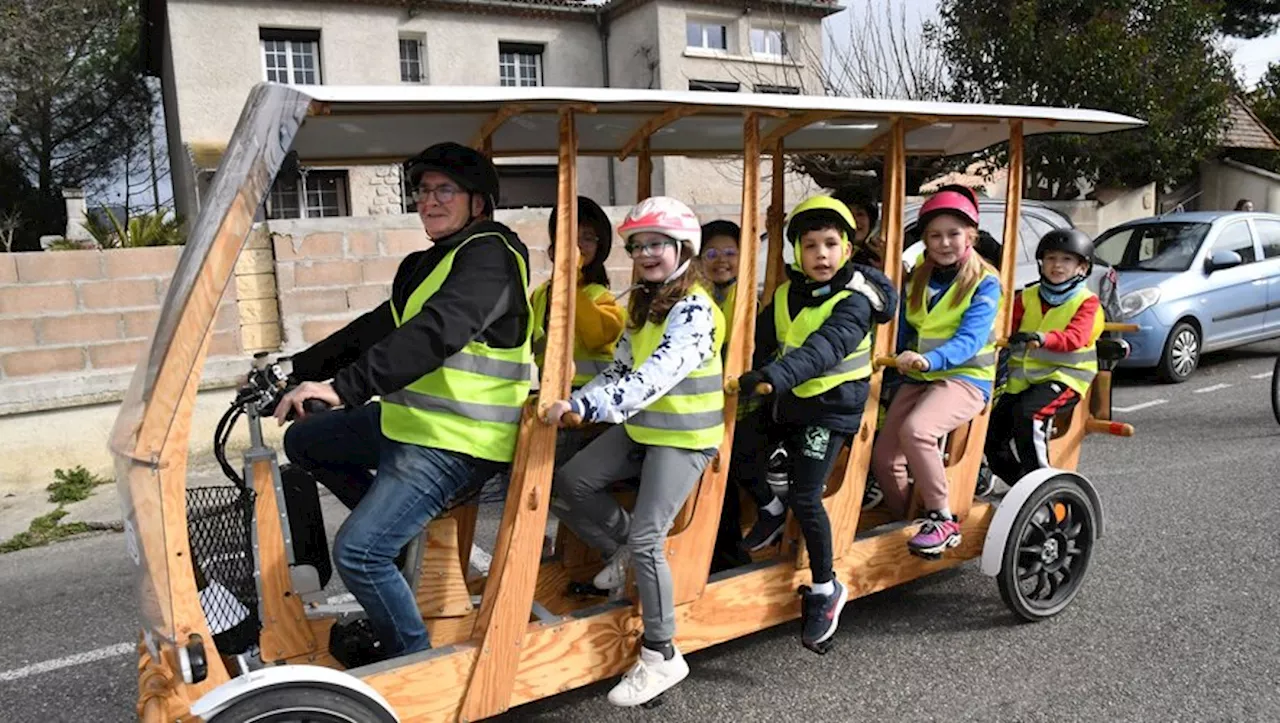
(838, 409)
(482, 298)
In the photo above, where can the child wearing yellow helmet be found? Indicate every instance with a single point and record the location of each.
(813, 346)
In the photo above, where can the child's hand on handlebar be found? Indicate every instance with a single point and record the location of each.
(1030, 338)
(911, 361)
(295, 399)
(555, 413)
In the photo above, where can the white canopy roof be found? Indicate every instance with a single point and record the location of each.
(381, 124)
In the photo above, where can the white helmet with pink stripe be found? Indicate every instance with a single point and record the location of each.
(667, 216)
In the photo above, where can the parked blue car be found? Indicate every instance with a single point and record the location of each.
(1194, 283)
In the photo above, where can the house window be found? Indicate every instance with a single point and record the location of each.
(519, 64)
(768, 42)
(778, 89)
(309, 194)
(531, 186)
(411, 62)
(291, 56)
(720, 86)
(708, 35)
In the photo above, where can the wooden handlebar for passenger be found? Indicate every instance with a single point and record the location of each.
(571, 420)
(883, 362)
(763, 389)
(1106, 426)
(1118, 326)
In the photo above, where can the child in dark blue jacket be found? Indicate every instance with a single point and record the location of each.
(813, 346)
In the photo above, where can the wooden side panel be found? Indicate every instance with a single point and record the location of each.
(508, 594)
(285, 631)
(431, 690)
(689, 551)
(442, 586)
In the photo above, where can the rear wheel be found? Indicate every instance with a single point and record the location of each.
(1048, 550)
(1181, 353)
(303, 704)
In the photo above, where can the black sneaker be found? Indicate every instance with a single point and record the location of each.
(765, 532)
(821, 616)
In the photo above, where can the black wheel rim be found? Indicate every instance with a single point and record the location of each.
(1053, 551)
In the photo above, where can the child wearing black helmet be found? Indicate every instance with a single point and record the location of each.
(1052, 358)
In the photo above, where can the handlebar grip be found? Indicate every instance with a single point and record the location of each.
(764, 389)
(571, 420)
(1119, 326)
(886, 361)
(733, 386)
(314, 406)
(1106, 426)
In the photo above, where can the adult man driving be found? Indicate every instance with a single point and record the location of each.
(449, 355)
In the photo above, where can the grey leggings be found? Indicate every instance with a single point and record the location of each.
(667, 476)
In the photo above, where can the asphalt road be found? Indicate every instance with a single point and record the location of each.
(1176, 622)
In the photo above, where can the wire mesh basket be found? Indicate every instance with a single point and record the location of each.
(220, 527)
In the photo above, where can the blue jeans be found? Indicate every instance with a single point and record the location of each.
(413, 484)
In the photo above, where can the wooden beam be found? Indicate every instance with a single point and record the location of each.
(795, 123)
(882, 141)
(494, 122)
(1012, 216)
(651, 126)
(508, 592)
(777, 215)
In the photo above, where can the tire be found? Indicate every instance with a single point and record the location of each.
(1181, 354)
(1275, 390)
(303, 703)
(1051, 544)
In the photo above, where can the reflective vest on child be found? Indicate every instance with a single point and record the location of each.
(586, 364)
(472, 403)
(935, 327)
(691, 415)
(1076, 369)
(791, 333)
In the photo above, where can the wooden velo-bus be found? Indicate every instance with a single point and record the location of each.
(517, 634)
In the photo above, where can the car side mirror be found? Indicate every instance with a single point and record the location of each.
(1222, 259)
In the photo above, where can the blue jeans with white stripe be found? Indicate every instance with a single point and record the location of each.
(413, 484)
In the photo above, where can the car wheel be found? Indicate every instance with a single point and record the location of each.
(1181, 354)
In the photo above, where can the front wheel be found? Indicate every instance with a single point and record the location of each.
(1181, 354)
(1048, 550)
(303, 704)
(1275, 390)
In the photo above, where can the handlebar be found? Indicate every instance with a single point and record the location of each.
(882, 362)
(571, 420)
(1119, 326)
(1106, 426)
(763, 389)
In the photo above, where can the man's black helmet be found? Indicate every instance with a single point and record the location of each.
(467, 167)
(1071, 240)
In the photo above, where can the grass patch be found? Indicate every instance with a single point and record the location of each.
(73, 485)
(48, 528)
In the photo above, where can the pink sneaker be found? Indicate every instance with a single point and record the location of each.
(936, 534)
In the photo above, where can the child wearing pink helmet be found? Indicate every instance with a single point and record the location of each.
(663, 392)
(947, 356)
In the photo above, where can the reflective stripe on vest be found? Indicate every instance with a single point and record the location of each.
(586, 364)
(935, 327)
(1076, 369)
(691, 415)
(472, 403)
(791, 334)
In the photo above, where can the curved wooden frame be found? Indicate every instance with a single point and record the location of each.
(528, 640)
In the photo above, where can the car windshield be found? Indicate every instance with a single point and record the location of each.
(1151, 247)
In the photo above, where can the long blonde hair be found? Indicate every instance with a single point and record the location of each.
(970, 273)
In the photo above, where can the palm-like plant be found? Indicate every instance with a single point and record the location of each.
(148, 229)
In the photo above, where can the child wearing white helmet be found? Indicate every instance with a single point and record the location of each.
(663, 391)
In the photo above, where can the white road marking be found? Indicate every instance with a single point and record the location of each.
(1263, 375)
(1144, 405)
(1213, 388)
(111, 651)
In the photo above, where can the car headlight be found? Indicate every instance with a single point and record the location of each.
(1136, 302)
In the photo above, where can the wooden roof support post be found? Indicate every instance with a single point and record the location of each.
(691, 549)
(644, 173)
(777, 214)
(508, 594)
(1012, 216)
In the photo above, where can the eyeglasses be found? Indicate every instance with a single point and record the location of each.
(653, 248)
(443, 194)
(713, 254)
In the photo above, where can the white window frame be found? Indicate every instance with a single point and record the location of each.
(767, 33)
(421, 47)
(520, 54)
(703, 26)
(303, 191)
(291, 45)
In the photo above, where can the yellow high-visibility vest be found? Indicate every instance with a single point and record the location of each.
(586, 364)
(791, 334)
(935, 327)
(1076, 369)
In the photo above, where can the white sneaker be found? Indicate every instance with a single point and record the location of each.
(614, 574)
(649, 678)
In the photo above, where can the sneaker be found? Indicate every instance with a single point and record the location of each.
(986, 481)
(871, 494)
(779, 476)
(936, 534)
(649, 678)
(765, 532)
(614, 574)
(821, 615)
